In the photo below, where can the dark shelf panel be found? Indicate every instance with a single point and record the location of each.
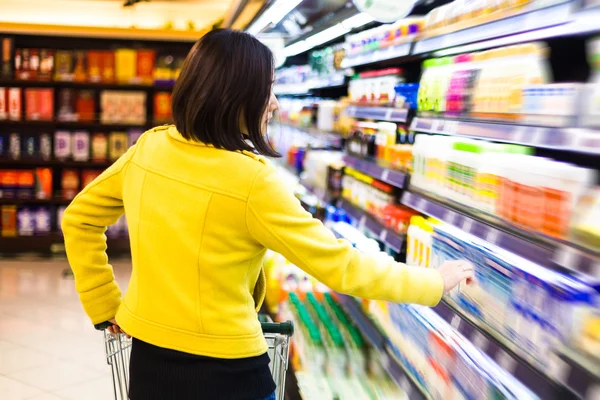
(8, 163)
(159, 86)
(378, 113)
(388, 175)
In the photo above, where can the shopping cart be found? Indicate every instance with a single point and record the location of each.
(277, 335)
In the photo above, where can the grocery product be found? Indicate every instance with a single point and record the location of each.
(99, 147)
(14, 104)
(81, 146)
(62, 145)
(9, 221)
(6, 57)
(375, 87)
(70, 183)
(117, 145)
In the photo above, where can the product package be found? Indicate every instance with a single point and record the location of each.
(64, 66)
(62, 145)
(99, 147)
(126, 63)
(80, 69)
(123, 107)
(30, 146)
(108, 66)
(43, 183)
(14, 146)
(145, 66)
(117, 145)
(134, 135)
(25, 221)
(42, 217)
(66, 105)
(88, 176)
(14, 104)
(94, 65)
(3, 103)
(162, 107)
(45, 146)
(6, 58)
(8, 184)
(81, 146)
(25, 188)
(70, 183)
(85, 105)
(46, 65)
(39, 104)
(8, 225)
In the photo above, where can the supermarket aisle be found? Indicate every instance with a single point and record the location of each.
(48, 348)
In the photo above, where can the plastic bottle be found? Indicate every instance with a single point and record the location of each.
(412, 237)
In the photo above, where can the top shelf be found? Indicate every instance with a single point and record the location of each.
(557, 20)
(159, 85)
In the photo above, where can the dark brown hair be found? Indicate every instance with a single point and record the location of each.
(226, 78)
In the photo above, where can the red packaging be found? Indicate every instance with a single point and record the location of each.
(31, 104)
(108, 66)
(85, 105)
(80, 70)
(94, 64)
(162, 106)
(6, 59)
(145, 65)
(43, 178)
(70, 183)
(25, 184)
(9, 184)
(3, 104)
(46, 64)
(87, 176)
(9, 220)
(24, 61)
(34, 64)
(46, 104)
(14, 104)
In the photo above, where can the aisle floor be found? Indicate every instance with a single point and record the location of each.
(48, 348)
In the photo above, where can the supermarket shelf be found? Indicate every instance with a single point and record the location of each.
(528, 21)
(390, 176)
(337, 80)
(584, 371)
(85, 85)
(378, 341)
(365, 221)
(379, 113)
(509, 357)
(567, 139)
(33, 201)
(93, 125)
(33, 163)
(389, 53)
(518, 241)
(52, 243)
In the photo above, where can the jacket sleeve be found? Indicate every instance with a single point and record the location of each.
(276, 219)
(84, 223)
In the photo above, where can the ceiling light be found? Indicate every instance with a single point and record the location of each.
(273, 15)
(328, 34)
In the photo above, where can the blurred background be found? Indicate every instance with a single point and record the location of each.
(433, 130)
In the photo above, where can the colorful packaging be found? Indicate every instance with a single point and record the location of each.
(45, 146)
(62, 145)
(108, 66)
(9, 221)
(85, 105)
(39, 104)
(46, 65)
(42, 220)
(43, 185)
(30, 146)
(145, 65)
(64, 66)
(125, 63)
(66, 105)
(26, 221)
(80, 69)
(14, 104)
(117, 145)
(162, 106)
(6, 58)
(3, 103)
(14, 146)
(25, 188)
(81, 146)
(94, 64)
(70, 183)
(99, 147)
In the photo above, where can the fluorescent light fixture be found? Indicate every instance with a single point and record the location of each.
(273, 15)
(328, 34)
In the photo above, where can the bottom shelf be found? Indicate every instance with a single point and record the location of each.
(53, 244)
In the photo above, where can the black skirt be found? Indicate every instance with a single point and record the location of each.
(157, 373)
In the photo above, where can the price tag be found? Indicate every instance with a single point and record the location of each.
(383, 235)
(519, 134)
(451, 127)
(450, 217)
(480, 341)
(593, 393)
(467, 224)
(435, 126)
(559, 368)
(421, 204)
(404, 383)
(456, 322)
(388, 113)
(362, 222)
(538, 136)
(506, 361)
(385, 175)
(566, 257)
(492, 236)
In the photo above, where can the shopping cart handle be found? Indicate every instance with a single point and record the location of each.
(103, 325)
(282, 328)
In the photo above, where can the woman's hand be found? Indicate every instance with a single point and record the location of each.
(116, 329)
(454, 272)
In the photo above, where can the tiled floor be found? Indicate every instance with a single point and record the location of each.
(48, 348)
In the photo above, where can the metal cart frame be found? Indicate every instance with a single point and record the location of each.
(118, 351)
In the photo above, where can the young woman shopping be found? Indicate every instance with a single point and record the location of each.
(203, 206)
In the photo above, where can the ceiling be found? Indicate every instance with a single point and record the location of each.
(155, 14)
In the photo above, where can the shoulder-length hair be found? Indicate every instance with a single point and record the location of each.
(224, 85)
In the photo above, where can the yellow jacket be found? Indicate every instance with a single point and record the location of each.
(200, 220)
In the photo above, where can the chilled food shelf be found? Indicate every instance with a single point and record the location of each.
(567, 139)
(390, 176)
(392, 240)
(377, 113)
(549, 253)
(388, 53)
(509, 356)
(372, 333)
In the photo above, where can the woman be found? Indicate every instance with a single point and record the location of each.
(203, 206)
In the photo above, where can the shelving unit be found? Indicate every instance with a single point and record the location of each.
(388, 175)
(548, 252)
(378, 113)
(566, 139)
